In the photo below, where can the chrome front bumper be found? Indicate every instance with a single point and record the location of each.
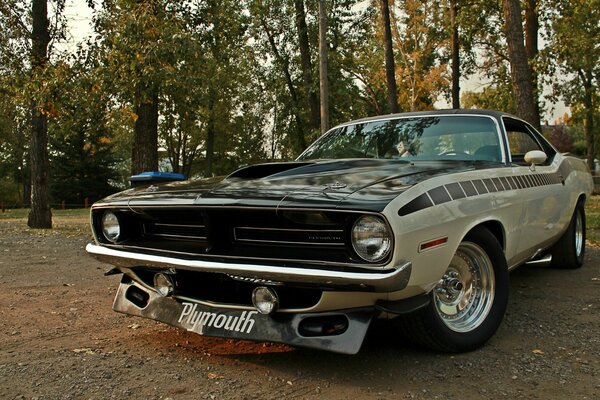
(389, 280)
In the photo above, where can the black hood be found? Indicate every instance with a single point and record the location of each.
(360, 184)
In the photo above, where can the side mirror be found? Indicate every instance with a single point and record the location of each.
(535, 157)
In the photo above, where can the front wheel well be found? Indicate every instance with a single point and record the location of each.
(496, 228)
(477, 279)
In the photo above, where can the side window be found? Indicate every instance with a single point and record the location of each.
(520, 143)
(522, 139)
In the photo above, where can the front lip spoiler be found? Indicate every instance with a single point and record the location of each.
(390, 280)
(282, 328)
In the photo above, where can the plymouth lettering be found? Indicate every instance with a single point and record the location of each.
(197, 320)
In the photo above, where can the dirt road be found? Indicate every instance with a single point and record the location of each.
(60, 339)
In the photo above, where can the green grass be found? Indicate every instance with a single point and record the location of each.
(592, 212)
(21, 213)
(68, 222)
(592, 219)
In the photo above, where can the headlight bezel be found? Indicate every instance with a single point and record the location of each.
(383, 253)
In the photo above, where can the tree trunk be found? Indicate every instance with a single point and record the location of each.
(210, 132)
(213, 91)
(24, 178)
(588, 125)
(531, 29)
(520, 71)
(144, 154)
(455, 44)
(532, 26)
(40, 215)
(306, 64)
(390, 68)
(324, 81)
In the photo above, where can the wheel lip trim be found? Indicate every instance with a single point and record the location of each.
(481, 300)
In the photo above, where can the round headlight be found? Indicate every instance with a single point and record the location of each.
(371, 238)
(110, 226)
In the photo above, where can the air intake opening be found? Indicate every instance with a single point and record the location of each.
(137, 296)
(330, 325)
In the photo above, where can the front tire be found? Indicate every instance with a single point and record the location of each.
(569, 251)
(468, 303)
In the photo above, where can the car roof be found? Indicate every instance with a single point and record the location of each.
(495, 114)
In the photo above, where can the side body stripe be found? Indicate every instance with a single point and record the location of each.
(477, 187)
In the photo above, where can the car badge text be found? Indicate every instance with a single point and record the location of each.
(197, 321)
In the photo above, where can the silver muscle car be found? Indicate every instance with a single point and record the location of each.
(417, 218)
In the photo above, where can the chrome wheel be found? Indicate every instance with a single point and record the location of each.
(468, 303)
(465, 294)
(578, 234)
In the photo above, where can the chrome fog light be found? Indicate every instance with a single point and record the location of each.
(371, 238)
(265, 300)
(111, 229)
(164, 284)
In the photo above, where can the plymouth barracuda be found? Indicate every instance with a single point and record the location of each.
(417, 218)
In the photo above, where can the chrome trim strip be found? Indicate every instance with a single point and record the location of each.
(251, 260)
(387, 281)
(262, 228)
(175, 225)
(116, 204)
(172, 236)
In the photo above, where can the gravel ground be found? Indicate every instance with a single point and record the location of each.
(61, 340)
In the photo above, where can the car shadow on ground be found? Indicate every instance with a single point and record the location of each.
(533, 291)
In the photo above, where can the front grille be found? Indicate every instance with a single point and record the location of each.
(265, 236)
(174, 231)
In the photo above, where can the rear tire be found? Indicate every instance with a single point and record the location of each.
(469, 302)
(569, 251)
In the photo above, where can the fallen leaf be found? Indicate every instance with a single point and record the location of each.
(84, 350)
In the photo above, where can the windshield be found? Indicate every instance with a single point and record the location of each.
(415, 138)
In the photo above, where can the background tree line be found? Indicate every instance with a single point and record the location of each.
(203, 87)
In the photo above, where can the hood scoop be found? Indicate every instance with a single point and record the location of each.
(264, 170)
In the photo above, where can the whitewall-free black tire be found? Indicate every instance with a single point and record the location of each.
(569, 251)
